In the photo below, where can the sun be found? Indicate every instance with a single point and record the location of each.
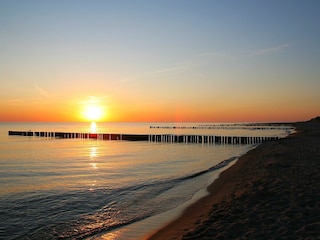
(93, 109)
(93, 113)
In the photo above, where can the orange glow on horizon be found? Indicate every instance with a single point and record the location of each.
(95, 110)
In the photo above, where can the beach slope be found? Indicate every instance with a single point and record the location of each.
(270, 193)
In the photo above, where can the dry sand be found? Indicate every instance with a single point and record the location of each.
(273, 192)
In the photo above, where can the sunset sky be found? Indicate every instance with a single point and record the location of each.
(168, 60)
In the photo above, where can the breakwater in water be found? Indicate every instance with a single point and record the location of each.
(248, 126)
(150, 137)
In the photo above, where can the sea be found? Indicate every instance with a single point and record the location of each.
(53, 188)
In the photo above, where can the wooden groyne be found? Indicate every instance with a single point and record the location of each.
(229, 126)
(170, 138)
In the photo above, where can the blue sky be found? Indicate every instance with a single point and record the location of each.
(165, 55)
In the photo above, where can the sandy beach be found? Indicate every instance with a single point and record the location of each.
(270, 193)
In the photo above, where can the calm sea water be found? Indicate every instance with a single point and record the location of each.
(78, 188)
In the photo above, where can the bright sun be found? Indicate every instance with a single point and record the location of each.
(93, 113)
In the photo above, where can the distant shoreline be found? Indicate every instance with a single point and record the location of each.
(258, 196)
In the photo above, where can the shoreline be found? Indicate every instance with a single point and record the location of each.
(258, 196)
(143, 228)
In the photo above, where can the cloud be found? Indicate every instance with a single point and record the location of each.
(175, 68)
(41, 91)
(267, 51)
(92, 100)
(19, 101)
(212, 54)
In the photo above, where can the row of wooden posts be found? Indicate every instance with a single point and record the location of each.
(150, 137)
(229, 126)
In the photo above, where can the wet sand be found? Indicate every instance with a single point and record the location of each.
(273, 192)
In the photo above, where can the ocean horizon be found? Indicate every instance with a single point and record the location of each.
(81, 188)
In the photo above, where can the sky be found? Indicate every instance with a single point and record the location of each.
(159, 61)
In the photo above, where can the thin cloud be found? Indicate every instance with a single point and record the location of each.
(172, 69)
(41, 91)
(272, 50)
(93, 100)
(218, 54)
(19, 101)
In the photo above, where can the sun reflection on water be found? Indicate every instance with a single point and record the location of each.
(93, 153)
(93, 127)
(93, 165)
(93, 184)
(93, 156)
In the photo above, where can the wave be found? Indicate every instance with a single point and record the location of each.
(148, 192)
(213, 168)
(80, 214)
